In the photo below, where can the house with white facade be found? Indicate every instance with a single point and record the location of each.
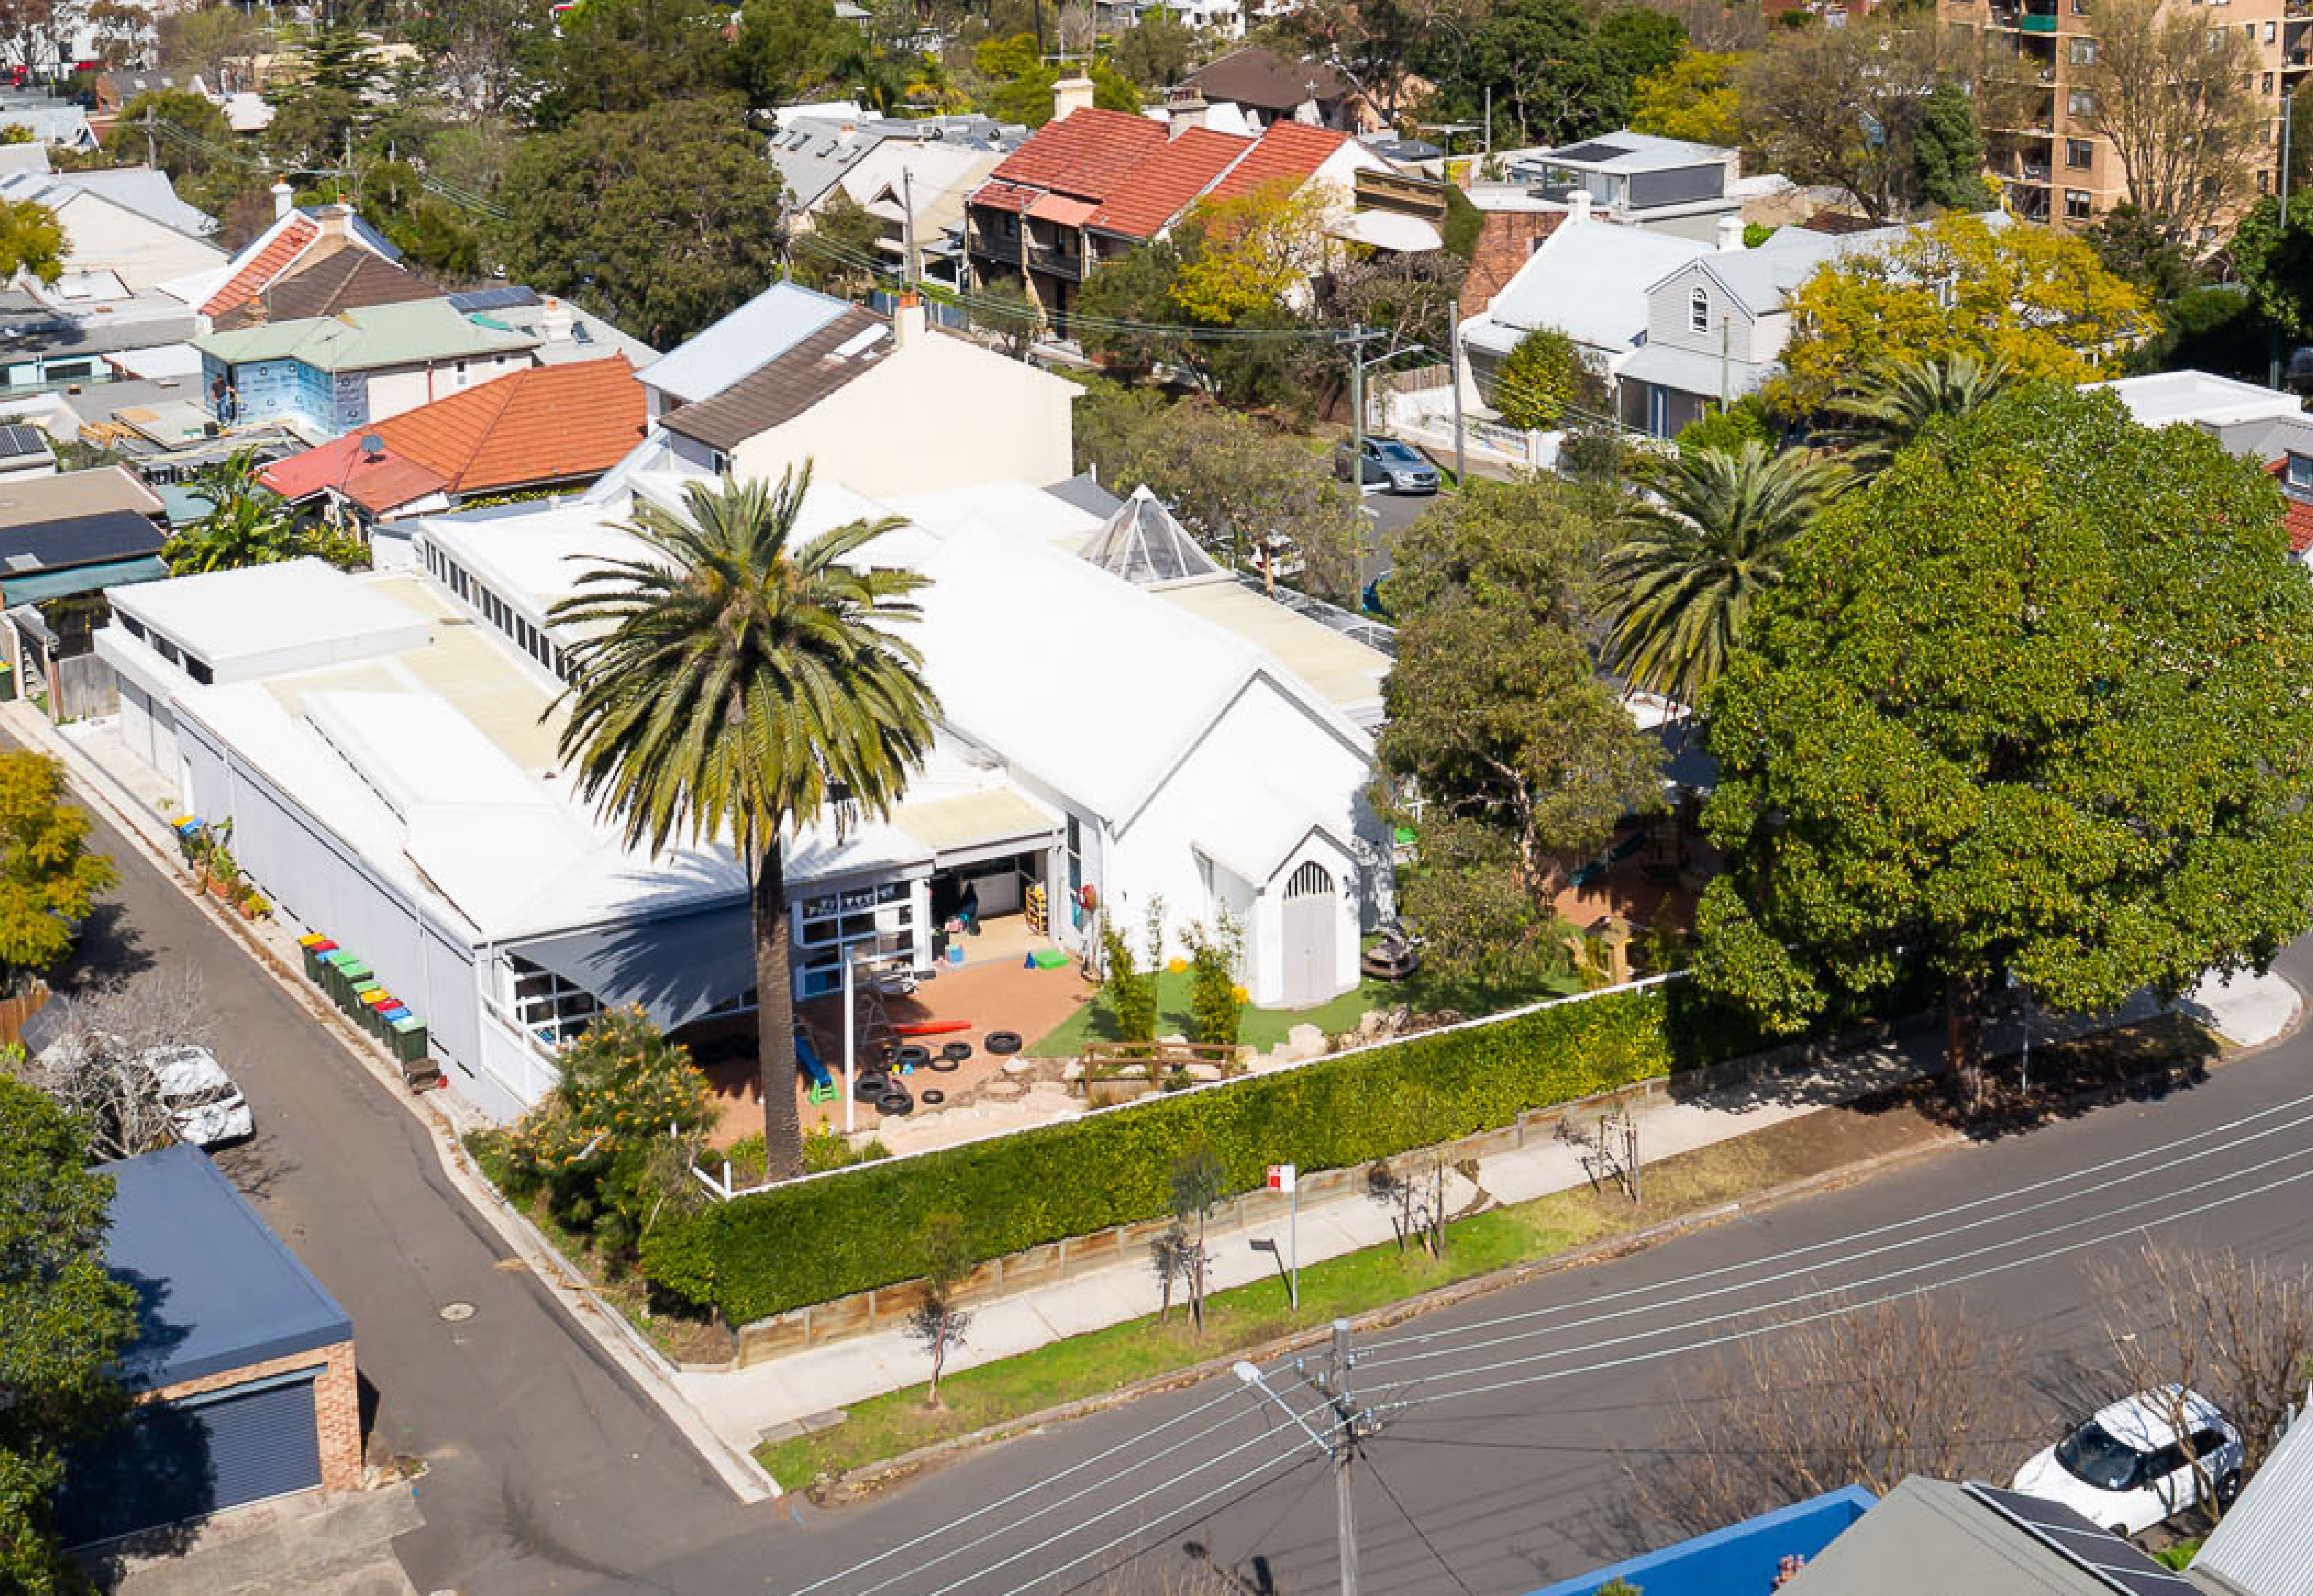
(385, 746)
(1678, 327)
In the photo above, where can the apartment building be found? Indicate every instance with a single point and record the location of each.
(2056, 168)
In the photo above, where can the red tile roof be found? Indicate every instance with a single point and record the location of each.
(1087, 153)
(1161, 186)
(2296, 515)
(1058, 208)
(290, 239)
(1290, 150)
(548, 423)
(1004, 197)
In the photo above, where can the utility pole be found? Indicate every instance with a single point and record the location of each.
(1354, 1424)
(2272, 371)
(1356, 339)
(1453, 365)
(153, 158)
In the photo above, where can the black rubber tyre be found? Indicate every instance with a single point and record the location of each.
(912, 1057)
(897, 1101)
(932, 1097)
(1002, 1042)
(944, 1064)
(956, 1052)
(871, 1085)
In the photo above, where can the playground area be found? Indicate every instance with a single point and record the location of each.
(959, 1007)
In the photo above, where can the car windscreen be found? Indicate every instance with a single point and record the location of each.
(2090, 1453)
(203, 1097)
(1398, 454)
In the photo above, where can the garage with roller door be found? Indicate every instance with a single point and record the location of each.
(242, 1369)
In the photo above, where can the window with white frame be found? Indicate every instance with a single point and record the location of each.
(549, 1007)
(1698, 311)
(2299, 472)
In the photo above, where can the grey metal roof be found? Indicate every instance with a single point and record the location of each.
(811, 154)
(217, 1290)
(1689, 372)
(1623, 151)
(2265, 1546)
(145, 192)
(2267, 440)
(746, 340)
(1084, 492)
(1929, 1538)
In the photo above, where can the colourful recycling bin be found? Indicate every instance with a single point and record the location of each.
(334, 966)
(372, 1010)
(357, 989)
(317, 948)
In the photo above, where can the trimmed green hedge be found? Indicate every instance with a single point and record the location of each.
(828, 1238)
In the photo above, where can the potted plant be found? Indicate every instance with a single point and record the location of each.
(253, 905)
(221, 874)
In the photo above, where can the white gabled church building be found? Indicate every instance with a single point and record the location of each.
(383, 746)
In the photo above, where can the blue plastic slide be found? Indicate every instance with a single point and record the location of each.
(807, 1056)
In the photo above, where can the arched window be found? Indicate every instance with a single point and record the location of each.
(1698, 309)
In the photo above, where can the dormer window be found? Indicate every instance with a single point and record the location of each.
(1698, 311)
(2299, 472)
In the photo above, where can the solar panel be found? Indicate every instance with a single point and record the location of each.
(16, 440)
(1591, 152)
(2082, 1544)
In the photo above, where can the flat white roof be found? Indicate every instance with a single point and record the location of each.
(261, 611)
(1343, 671)
(2167, 396)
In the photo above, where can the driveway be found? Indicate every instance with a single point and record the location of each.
(545, 1467)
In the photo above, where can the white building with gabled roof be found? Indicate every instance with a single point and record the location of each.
(385, 747)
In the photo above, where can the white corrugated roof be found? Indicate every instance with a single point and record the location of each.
(2265, 1546)
(1589, 280)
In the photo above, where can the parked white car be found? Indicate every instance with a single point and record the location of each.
(203, 1104)
(2127, 1468)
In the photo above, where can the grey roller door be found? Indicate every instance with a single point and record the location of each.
(178, 1461)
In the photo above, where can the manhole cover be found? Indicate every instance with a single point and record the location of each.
(457, 1313)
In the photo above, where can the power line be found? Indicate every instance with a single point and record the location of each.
(1847, 1240)
(1033, 1489)
(1419, 1532)
(1819, 1294)
(1838, 1310)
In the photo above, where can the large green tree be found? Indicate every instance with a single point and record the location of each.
(62, 1322)
(1504, 749)
(660, 221)
(1698, 554)
(730, 686)
(2031, 707)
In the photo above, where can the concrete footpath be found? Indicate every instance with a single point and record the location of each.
(807, 1388)
(725, 1414)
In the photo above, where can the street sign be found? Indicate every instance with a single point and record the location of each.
(1280, 1177)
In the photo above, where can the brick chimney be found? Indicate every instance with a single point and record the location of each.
(1072, 93)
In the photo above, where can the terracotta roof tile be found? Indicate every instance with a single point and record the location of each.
(2296, 515)
(1161, 186)
(548, 423)
(345, 279)
(1087, 153)
(288, 243)
(1288, 150)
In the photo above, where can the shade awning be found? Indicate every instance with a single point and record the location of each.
(973, 827)
(44, 586)
(1388, 230)
(1061, 209)
(676, 968)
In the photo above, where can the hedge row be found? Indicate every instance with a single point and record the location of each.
(828, 1238)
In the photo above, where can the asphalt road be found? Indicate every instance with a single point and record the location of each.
(546, 1469)
(1503, 1418)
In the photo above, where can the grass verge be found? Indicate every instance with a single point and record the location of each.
(1102, 1361)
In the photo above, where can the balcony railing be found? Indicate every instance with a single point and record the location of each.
(2035, 172)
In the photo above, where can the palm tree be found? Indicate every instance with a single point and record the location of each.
(1695, 557)
(736, 685)
(246, 524)
(1897, 400)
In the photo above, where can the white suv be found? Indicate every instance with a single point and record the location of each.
(2128, 1467)
(203, 1104)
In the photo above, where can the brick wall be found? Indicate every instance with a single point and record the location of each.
(336, 1404)
(1504, 242)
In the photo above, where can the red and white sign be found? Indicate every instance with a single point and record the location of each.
(1280, 1177)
